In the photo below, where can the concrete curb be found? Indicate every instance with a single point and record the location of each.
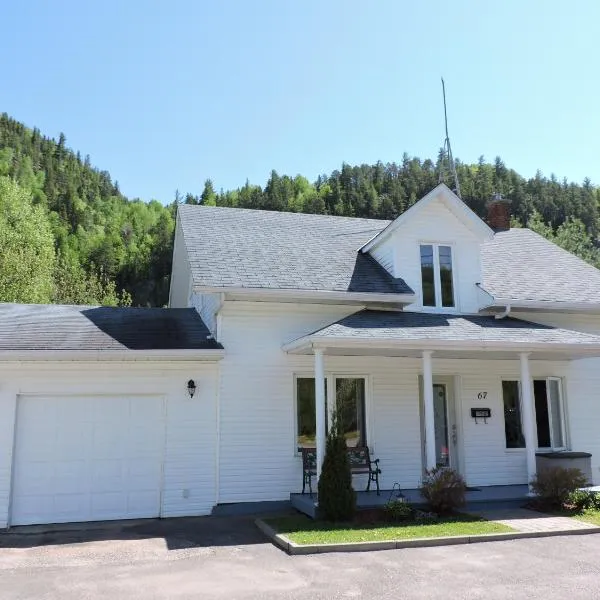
(290, 547)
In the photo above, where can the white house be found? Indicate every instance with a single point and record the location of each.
(414, 323)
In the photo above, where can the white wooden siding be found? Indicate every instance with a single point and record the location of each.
(257, 437)
(384, 255)
(435, 224)
(180, 272)
(189, 467)
(582, 389)
(207, 306)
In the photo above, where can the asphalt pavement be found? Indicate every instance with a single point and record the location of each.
(229, 558)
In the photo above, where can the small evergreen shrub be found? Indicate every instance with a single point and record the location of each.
(396, 510)
(444, 489)
(554, 485)
(337, 500)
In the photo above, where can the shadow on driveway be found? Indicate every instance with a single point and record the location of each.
(178, 533)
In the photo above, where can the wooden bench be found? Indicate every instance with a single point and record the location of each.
(360, 464)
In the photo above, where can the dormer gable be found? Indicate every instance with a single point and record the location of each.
(445, 196)
(435, 247)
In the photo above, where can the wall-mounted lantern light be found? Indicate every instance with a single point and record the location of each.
(191, 387)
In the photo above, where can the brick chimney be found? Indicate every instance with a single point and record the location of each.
(498, 217)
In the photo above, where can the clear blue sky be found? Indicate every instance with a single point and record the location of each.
(166, 94)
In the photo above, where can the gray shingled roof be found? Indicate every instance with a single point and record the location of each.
(230, 247)
(25, 327)
(234, 247)
(521, 265)
(392, 325)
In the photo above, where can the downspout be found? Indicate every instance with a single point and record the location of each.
(504, 313)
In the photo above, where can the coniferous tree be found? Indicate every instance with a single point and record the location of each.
(337, 499)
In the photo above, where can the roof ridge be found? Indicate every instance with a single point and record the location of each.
(196, 207)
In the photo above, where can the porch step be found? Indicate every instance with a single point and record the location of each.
(492, 497)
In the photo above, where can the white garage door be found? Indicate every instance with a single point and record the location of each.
(87, 458)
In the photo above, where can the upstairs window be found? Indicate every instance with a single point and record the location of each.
(437, 283)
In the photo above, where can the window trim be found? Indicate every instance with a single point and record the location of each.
(519, 399)
(563, 413)
(330, 377)
(563, 424)
(437, 277)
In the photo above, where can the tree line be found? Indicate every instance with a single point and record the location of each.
(68, 235)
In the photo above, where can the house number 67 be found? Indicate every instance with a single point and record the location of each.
(482, 396)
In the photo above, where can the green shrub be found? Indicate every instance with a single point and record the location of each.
(396, 510)
(554, 485)
(582, 500)
(579, 500)
(444, 489)
(337, 500)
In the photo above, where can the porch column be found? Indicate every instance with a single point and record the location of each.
(320, 408)
(527, 408)
(430, 457)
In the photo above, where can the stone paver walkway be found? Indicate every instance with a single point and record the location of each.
(531, 521)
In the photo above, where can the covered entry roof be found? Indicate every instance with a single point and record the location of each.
(395, 332)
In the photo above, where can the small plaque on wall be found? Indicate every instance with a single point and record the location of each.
(481, 413)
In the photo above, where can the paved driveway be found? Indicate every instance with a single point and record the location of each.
(227, 558)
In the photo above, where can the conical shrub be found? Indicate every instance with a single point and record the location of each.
(337, 500)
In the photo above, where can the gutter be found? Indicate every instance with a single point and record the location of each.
(112, 355)
(312, 342)
(270, 294)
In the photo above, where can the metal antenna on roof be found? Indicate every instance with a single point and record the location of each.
(448, 150)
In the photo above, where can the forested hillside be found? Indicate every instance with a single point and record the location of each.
(67, 234)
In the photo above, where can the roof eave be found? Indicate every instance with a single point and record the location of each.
(543, 306)
(313, 341)
(315, 296)
(111, 355)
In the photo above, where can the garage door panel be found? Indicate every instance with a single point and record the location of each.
(68, 475)
(107, 475)
(40, 480)
(108, 440)
(141, 407)
(111, 409)
(71, 446)
(88, 458)
(72, 409)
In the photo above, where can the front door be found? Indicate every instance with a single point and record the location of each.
(444, 425)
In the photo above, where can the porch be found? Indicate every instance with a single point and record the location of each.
(446, 390)
(477, 497)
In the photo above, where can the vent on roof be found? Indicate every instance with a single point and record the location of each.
(498, 217)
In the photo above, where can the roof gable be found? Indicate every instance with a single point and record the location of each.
(441, 193)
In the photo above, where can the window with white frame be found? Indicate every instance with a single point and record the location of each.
(437, 277)
(349, 401)
(549, 414)
(306, 425)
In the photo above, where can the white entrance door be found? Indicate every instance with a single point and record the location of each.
(87, 458)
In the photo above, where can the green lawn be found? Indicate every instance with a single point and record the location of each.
(589, 516)
(302, 530)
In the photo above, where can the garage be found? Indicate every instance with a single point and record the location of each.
(106, 413)
(87, 458)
